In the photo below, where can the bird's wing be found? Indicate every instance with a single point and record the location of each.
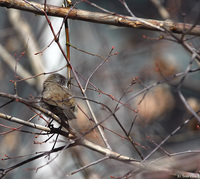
(61, 99)
(52, 95)
(69, 113)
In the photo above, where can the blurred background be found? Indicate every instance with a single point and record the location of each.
(141, 57)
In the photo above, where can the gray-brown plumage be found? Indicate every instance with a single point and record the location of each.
(57, 98)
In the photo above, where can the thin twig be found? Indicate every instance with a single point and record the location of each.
(169, 136)
(89, 165)
(188, 106)
(97, 68)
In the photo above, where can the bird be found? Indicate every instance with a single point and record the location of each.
(57, 98)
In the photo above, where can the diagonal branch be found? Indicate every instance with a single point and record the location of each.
(102, 18)
(23, 122)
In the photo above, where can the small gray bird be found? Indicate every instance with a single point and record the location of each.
(57, 98)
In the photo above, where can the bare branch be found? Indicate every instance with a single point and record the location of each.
(89, 165)
(31, 104)
(174, 132)
(27, 37)
(9, 60)
(26, 123)
(103, 18)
